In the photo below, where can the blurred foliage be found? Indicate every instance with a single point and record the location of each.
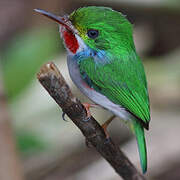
(28, 143)
(24, 56)
(21, 61)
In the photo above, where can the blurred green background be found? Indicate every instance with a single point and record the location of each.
(51, 148)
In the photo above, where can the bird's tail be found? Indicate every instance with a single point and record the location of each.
(139, 132)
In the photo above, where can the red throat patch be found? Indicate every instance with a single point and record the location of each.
(70, 41)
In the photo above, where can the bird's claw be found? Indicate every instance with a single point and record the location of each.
(63, 116)
(87, 119)
(107, 140)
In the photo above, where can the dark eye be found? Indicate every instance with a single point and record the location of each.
(92, 33)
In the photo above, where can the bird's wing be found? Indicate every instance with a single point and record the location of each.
(121, 81)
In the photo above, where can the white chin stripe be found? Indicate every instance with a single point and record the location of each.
(82, 45)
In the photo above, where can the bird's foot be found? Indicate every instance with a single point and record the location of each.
(105, 125)
(87, 106)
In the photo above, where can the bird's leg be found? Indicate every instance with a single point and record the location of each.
(105, 125)
(87, 106)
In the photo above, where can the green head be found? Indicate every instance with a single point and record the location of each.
(113, 29)
(100, 28)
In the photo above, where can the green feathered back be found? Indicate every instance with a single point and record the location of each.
(123, 82)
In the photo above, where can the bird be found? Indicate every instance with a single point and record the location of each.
(103, 63)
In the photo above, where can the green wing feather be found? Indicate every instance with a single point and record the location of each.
(123, 81)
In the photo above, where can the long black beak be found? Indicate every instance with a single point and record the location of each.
(60, 20)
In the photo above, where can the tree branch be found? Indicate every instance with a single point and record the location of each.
(50, 77)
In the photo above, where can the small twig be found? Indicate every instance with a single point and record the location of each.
(50, 77)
